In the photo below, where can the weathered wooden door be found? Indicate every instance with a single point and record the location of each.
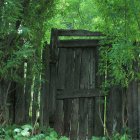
(75, 101)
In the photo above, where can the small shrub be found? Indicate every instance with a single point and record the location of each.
(26, 132)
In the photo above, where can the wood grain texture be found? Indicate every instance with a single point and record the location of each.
(78, 43)
(83, 103)
(91, 101)
(81, 93)
(130, 106)
(69, 84)
(75, 105)
(114, 110)
(135, 109)
(139, 110)
(60, 84)
(79, 101)
(44, 96)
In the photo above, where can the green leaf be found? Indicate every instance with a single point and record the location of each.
(53, 134)
(27, 127)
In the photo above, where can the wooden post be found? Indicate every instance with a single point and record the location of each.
(44, 97)
(139, 110)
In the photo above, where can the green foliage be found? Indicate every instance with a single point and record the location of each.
(27, 132)
(25, 26)
(121, 137)
(21, 33)
(116, 136)
(120, 20)
(32, 22)
(125, 134)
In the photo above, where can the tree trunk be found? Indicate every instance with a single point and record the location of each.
(28, 88)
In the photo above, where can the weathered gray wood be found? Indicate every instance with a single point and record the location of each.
(19, 103)
(74, 119)
(114, 110)
(59, 122)
(69, 84)
(62, 32)
(135, 109)
(99, 117)
(139, 109)
(53, 46)
(44, 97)
(124, 108)
(91, 117)
(58, 118)
(53, 76)
(81, 93)
(52, 97)
(61, 69)
(98, 126)
(52, 89)
(78, 43)
(91, 104)
(77, 92)
(83, 118)
(75, 104)
(55, 106)
(83, 103)
(130, 106)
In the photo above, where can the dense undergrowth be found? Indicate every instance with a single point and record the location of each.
(27, 132)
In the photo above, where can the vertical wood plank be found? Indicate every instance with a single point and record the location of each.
(52, 92)
(114, 112)
(59, 114)
(58, 117)
(98, 126)
(130, 106)
(135, 109)
(74, 119)
(75, 104)
(69, 85)
(83, 103)
(44, 97)
(61, 69)
(53, 71)
(91, 104)
(139, 109)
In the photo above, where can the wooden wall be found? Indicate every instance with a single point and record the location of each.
(76, 105)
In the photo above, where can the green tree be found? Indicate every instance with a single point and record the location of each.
(21, 40)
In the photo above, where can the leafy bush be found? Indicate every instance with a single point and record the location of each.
(27, 132)
(115, 136)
